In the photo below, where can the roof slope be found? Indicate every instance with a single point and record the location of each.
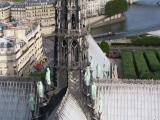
(130, 101)
(69, 109)
(14, 99)
(98, 57)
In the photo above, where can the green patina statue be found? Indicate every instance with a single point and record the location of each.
(100, 109)
(48, 76)
(91, 63)
(40, 89)
(98, 72)
(87, 76)
(31, 102)
(93, 91)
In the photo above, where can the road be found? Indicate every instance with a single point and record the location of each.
(120, 35)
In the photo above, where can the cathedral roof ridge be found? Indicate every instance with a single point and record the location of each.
(70, 104)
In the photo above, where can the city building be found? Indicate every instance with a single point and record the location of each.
(81, 68)
(20, 48)
(91, 93)
(97, 7)
(93, 8)
(4, 12)
(40, 11)
(115, 100)
(43, 11)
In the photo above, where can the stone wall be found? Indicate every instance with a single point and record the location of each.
(127, 81)
(103, 20)
(47, 31)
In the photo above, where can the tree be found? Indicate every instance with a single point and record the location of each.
(114, 7)
(104, 46)
(19, 1)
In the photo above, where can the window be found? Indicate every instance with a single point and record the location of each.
(64, 51)
(75, 51)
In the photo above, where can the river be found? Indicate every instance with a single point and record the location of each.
(139, 18)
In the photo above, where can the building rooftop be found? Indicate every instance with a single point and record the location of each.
(97, 57)
(33, 3)
(16, 41)
(4, 4)
(14, 96)
(69, 109)
(120, 99)
(130, 101)
(71, 106)
(41, 1)
(5, 43)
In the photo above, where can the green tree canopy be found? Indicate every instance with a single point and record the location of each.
(114, 7)
(104, 46)
(19, 1)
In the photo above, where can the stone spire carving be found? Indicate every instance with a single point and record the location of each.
(70, 46)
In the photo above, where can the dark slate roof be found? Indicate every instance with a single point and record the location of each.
(19, 5)
(4, 43)
(14, 95)
(32, 3)
(69, 109)
(41, 1)
(4, 4)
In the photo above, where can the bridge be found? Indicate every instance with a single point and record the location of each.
(118, 35)
(145, 2)
(149, 2)
(113, 36)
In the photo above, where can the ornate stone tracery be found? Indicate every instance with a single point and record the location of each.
(70, 43)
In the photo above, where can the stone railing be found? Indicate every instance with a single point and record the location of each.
(18, 79)
(127, 81)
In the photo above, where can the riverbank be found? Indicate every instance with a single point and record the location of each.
(155, 33)
(92, 22)
(102, 20)
(134, 23)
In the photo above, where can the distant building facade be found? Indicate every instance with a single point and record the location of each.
(20, 49)
(39, 11)
(43, 12)
(97, 7)
(4, 12)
